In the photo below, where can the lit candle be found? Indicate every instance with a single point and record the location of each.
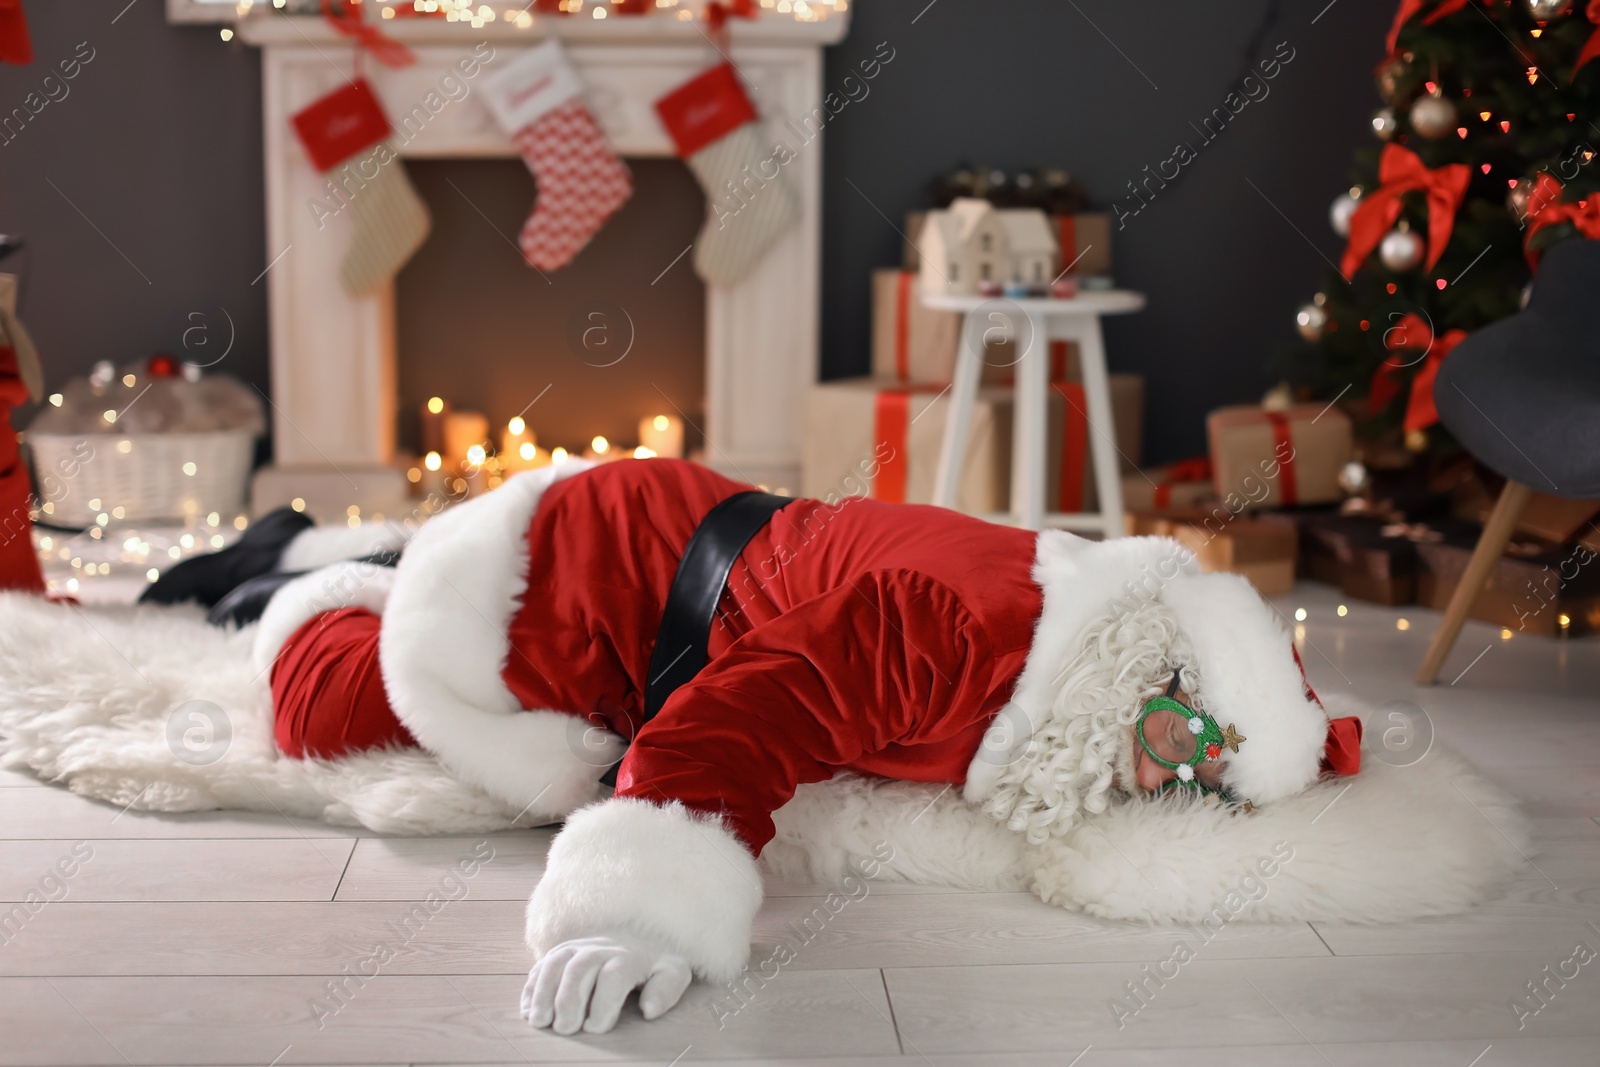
(463, 430)
(433, 424)
(662, 435)
(517, 444)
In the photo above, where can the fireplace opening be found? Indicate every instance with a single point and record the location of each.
(480, 328)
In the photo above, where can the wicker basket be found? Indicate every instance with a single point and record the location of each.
(151, 476)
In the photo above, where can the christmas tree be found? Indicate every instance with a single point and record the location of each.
(1481, 159)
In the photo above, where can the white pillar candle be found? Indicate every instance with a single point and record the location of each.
(462, 430)
(662, 434)
(512, 439)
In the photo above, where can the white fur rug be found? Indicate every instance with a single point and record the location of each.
(100, 700)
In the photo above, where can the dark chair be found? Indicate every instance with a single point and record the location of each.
(1523, 395)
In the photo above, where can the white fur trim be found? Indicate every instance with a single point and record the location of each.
(444, 646)
(342, 585)
(657, 871)
(1248, 677)
(1081, 580)
(322, 545)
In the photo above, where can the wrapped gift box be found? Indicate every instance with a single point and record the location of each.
(910, 342)
(1532, 588)
(1178, 487)
(1367, 558)
(1263, 553)
(866, 436)
(1263, 458)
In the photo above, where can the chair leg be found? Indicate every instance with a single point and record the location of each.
(1496, 532)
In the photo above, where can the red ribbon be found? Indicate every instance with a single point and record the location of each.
(1341, 754)
(1401, 171)
(15, 45)
(385, 49)
(1546, 209)
(1412, 335)
(1074, 446)
(1592, 48)
(1283, 449)
(902, 325)
(891, 425)
(1195, 469)
(1408, 10)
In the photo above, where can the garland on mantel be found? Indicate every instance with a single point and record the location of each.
(523, 15)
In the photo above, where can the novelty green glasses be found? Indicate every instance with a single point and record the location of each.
(1181, 738)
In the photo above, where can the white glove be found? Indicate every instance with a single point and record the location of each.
(582, 984)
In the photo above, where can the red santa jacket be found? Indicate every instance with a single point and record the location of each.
(864, 636)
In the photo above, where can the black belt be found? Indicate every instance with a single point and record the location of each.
(685, 631)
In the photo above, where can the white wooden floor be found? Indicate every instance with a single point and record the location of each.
(213, 939)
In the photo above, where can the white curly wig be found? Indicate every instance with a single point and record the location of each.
(1068, 764)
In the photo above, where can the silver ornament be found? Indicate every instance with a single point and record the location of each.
(1527, 294)
(1311, 319)
(1339, 214)
(1545, 10)
(1433, 116)
(1353, 477)
(1401, 250)
(1383, 123)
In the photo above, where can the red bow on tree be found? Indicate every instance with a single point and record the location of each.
(1592, 48)
(1545, 209)
(385, 49)
(1408, 10)
(1413, 340)
(1401, 171)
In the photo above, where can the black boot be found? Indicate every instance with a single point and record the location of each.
(207, 579)
(246, 603)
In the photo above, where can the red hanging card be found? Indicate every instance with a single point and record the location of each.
(341, 124)
(15, 45)
(705, 110)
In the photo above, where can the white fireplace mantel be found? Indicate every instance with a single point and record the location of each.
(333, 357)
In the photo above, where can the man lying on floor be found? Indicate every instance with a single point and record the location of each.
(532, 636)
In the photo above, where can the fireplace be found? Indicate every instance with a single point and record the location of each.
(337, 419)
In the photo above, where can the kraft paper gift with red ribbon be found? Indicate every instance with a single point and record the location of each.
(1174, 487)
(910, 342)
(1262, 553)
(882, 438)
(1085, 242)
(868, 437)
(1263, 458)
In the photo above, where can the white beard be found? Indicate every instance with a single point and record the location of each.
(1126, 780)
(1081, 756)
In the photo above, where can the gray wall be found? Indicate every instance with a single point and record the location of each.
(159, 146)
(139, 193)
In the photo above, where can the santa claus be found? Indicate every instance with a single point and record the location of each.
(710, 648)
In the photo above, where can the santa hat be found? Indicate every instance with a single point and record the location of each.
(1250, 678)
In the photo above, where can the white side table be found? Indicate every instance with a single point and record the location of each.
(1037, 322)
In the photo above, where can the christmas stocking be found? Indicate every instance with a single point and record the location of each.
(346, 134)
(716, 131)
(538, 100)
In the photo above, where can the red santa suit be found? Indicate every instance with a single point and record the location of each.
(514, 641)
